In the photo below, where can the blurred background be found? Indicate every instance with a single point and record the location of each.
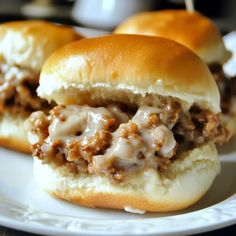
(106, 14)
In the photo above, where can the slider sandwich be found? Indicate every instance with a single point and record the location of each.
(135, 126)
(197, 33)
(24, 47)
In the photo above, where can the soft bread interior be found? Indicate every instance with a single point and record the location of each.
(184, 183)
(102, 95)
(12, 134)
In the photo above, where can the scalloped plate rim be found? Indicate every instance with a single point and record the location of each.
(52, 230)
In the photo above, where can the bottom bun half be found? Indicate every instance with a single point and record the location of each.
(186, 181)
(12, 134)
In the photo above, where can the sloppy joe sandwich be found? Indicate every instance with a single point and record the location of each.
(135, 126)
(24, 47)
(199, 34)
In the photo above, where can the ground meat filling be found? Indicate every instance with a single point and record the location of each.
(18, 90)
(114, 142)
(227, 88)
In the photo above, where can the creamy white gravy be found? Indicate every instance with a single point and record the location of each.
(139, 148)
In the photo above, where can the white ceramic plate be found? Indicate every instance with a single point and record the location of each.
(88, 32)
(25, 207)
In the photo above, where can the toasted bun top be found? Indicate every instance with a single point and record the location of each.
(193, 30)
(29, 43)
(126, 68)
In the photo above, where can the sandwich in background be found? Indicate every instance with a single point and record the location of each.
(135, 127)
(24, 47)
(199, 34)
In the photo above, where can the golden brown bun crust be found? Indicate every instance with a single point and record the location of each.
(183, 184)
(193, 30)
(12, 134)
(120, 201)
(15, 144)
(129, 64)
(29, 43)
